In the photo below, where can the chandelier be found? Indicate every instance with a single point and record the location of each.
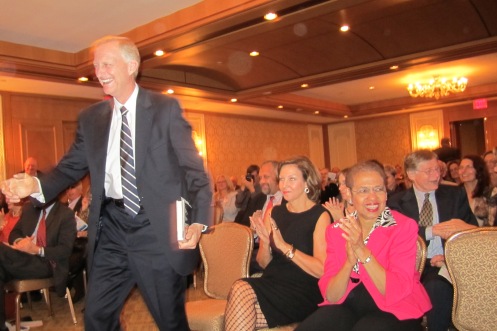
(438, 87)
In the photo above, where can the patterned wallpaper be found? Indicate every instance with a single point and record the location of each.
(386, 139)
(233, 143)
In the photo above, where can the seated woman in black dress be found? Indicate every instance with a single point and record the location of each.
(292, 252)
(370, 281)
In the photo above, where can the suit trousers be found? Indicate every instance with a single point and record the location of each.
(128, 253)
(15, 264)
(441, 295)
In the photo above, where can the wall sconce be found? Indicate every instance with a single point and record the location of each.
(427, 137)
(199, 143)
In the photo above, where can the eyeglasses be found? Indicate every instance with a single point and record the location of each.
(431, 171)
(367, 190)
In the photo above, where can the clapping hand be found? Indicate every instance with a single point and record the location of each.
(335, 207)
(257, 224)
(20, 186)
(353, 235)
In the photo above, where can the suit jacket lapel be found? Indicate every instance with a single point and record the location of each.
(143, 129)
(410, 205)
(102, 129)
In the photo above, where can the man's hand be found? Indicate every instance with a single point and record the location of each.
(26, 245)
(192, 236)
(20, 186)
(448, 228)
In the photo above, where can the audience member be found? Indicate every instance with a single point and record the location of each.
(41, 243)
(75, 196)
(225, 197)
(446, 152)
(342, 205)
(443, 174)
(9, 220)
(440, 211)
(392, 185)
(370, 281)
(292, 251)
(453, 172)
(31, 167)
(249, 188)
(329, 187)
(234, 180)
(476, 181)
(4, 206)
(491, 161)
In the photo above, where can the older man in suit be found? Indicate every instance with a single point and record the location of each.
(139, 151)
(440, 211)
(41, 243)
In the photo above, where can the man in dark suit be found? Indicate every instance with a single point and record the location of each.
(141, 157)
(446, 152)
(449, 213)
(30, 257)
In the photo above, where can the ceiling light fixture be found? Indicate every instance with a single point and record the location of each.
(234, 100)
(270, 16)
(304, 85)
(83, 79)
(159, 52)
(437, 87)
(344, 28)
(170, 91)
(254, 53)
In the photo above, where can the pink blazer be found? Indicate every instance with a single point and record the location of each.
(394, 248)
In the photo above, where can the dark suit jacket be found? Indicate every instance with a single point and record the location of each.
(255, 203)
(61, 233)
(452, 202)
(168, 166)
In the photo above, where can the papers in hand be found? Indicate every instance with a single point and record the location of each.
(183, 214)
(80, 224)
(444, 272)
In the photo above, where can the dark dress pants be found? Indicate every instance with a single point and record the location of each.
(441, 294)
(128, 253)
(15, 264)
(358, 312)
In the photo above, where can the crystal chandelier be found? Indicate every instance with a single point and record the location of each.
(438, 87)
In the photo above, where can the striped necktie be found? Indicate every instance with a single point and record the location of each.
(128, 179)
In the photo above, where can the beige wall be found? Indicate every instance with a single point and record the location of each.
(233, 143)
(386, 139)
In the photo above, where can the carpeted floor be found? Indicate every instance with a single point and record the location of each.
(135, 316)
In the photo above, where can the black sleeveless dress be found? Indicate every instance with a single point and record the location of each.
(286, 293)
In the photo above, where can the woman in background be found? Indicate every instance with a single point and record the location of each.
(9, 220)
(342, 206)
(453, 172)
(225, 198)
(476, 181)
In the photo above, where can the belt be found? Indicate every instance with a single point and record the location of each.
(119, 203)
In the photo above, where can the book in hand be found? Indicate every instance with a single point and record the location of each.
(183, 214)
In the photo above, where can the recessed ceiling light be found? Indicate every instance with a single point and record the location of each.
(159, 52)
(83, 79)
(394, 67)
(270, 16)
(254, 53)
(345, 116)
(371, 87)
(344, 28)
(304, 85)
(280, 107)
(170, 91)
(234, 100)
(316, 112)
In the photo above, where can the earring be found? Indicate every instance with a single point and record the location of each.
(306, 190)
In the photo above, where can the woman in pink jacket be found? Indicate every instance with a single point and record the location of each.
(370, 280)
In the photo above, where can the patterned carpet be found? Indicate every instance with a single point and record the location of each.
(135, 316)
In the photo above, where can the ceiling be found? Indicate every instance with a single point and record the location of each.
(207, 45)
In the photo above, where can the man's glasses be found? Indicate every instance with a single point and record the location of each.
(431, 171)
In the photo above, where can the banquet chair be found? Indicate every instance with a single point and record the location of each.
(19, 287)
(225, 252)
(420, 254)
(472, 263)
